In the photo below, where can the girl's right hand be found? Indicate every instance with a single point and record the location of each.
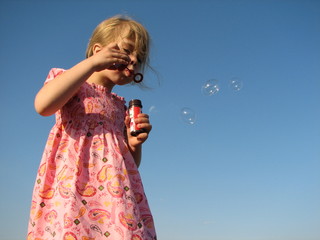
(107, 57)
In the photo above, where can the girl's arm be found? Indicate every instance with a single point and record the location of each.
(54, 94)
(137, 154)
(58, 91)
(135, 143)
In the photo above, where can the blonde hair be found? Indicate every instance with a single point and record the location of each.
(111, 29)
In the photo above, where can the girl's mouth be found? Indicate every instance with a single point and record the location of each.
(137, 77)
(128, 72)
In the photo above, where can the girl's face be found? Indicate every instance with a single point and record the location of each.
(127, 46)
(125, 76)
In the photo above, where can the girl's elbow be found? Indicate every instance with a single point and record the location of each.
(41, 109)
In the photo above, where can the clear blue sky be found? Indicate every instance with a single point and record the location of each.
(247, 169)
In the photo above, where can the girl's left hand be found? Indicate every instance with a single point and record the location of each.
(143, 122)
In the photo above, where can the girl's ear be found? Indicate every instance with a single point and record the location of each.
(96, 48)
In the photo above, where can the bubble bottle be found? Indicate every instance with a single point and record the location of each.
(135, 107)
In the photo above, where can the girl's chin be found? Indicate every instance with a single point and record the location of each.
(118, 77)
(123, 81)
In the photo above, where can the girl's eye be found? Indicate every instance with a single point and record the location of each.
(127, 51)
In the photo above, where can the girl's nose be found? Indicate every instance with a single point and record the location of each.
(133, 60)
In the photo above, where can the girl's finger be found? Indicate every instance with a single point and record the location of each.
(143, 115)
(146, 126)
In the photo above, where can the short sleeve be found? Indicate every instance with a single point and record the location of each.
(53, 73)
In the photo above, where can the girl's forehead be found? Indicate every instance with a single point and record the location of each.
(127, 34)
(126, 40)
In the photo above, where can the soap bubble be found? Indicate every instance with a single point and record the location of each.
(235, 84)
(188, 115)
(210, 87)
(153, 110)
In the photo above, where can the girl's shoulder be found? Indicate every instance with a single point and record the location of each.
(54, 72)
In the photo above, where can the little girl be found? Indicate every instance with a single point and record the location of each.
(88, 185)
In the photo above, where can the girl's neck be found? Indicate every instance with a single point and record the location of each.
(96, 78)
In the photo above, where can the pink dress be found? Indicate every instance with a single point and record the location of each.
(88, 186)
